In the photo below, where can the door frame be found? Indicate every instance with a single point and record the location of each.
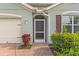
(34, 31)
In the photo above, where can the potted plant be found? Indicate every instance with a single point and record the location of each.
(26, 39)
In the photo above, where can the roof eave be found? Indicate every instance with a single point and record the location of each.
(26, 6)
(52, 6)
(30, 7)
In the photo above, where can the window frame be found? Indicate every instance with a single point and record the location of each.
(73, 24)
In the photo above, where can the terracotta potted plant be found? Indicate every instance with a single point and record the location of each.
(26, 39)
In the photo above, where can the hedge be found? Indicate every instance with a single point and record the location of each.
(66, 44)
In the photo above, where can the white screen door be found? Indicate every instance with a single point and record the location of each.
(39, 30)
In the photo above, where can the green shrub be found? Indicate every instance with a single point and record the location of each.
(66, 44)
(65, 29)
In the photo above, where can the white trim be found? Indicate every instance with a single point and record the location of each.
(34, 8)
(67, 13)
(72, 24)
(25, 6)
(49, 25)
(28, 6)
(7, 15)
(61, 23)
(48, 34)
(52, 6)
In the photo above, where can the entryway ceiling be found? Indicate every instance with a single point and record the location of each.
(40, 5)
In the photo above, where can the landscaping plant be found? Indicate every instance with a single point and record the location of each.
(66, 44)
(26, 39)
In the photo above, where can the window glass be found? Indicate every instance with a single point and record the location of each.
(76, 24)
(76, 19)
(67, 20)
(39, 17)
(76, 29)
(67, 28)
(67, 23)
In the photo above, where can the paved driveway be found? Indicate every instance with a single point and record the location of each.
(35, 50)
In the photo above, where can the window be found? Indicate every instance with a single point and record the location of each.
(76, 23)
(39, 17)
(70, 24)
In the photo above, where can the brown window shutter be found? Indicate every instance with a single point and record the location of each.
(58, 23)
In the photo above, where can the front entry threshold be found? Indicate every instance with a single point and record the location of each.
(39, 41)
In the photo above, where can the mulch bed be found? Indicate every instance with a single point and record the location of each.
(52, 49)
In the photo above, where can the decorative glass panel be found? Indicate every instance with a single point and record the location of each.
(39, 35)
(39, 25)
(39, 17)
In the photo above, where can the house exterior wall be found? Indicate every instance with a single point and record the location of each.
(58, 10)
(13, 8)
(27, 27)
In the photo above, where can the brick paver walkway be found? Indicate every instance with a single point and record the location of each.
(35, 50)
